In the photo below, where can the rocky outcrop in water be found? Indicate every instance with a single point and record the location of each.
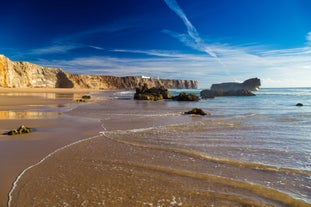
(29, 75)
(152, 94)
(186, 97)
(232, 89)
(160, 93)
(251, 84)
(197, 111)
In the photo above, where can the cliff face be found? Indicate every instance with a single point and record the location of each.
(25, 74)
(28, 75)
(128, 82)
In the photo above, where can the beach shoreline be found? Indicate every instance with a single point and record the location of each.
(43, 110)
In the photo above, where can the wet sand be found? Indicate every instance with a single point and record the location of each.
(39, 109)
(103, 172)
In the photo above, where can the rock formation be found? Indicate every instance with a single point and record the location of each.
(250, 84)
(197, 111)
(29, 75)
(186, 97)
(21, 130)
(232, 89)
(152, 94)
(160, 93)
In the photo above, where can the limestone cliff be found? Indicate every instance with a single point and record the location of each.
(29, 75)
(25, 74)
(127, 82)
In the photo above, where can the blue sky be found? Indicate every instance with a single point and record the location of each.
(206, 40)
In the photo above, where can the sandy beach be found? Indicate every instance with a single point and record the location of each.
(41, 110)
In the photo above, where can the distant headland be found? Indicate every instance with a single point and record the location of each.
(29, 75)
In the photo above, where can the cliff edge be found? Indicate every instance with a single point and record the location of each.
(29, 75)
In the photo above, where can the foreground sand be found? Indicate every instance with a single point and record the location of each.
(41, 110)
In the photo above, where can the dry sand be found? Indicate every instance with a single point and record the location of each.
(39, 109)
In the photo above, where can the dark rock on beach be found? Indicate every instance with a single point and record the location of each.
(156, 94)
(153, 94)
(299, 104)
(21, 130)
(83, 99)
(186, 97)
(86, 97)
(197, 111)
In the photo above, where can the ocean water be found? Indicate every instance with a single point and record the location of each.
(267, 128)
(250, 151)
(266, 131)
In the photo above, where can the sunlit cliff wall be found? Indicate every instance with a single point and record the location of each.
(29, 75)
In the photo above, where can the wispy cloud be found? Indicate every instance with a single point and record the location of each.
(96, 47)
(54, 49)
(157, 53)
(73, 41)
(59, 48)
(309, 39)
(288, 66)
(192, 38)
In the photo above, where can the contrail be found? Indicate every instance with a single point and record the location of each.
(192, 31)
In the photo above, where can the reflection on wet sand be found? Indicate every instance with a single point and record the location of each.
(69, 96)
(27, 115)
